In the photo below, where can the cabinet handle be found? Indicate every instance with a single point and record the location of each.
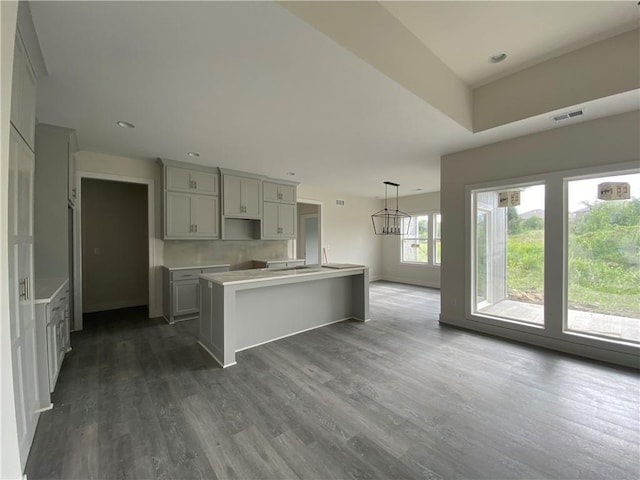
(195, 184)
(73, 192)
(279, 196)
(195, 228)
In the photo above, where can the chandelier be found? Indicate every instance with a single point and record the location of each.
(390, 222)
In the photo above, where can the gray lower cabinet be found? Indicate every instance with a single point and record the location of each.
(181, 291)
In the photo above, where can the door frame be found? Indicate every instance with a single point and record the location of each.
(77, 234)
(320, 226)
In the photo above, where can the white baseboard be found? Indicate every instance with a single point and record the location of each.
(101, 307)
(410, 281)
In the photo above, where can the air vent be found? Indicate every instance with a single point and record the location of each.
(340, 203)
(564, 116)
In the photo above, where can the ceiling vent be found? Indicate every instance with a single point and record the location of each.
(564, 116)
(340, 203)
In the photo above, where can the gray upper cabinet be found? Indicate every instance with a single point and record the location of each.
(191, 202)
(191, 181)
(279, 211)
(23, 94)
(242, 197)
(279, 193)
(279, 221)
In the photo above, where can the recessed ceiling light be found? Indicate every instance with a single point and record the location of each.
(193, 154)
(123, 124)
(291, 174)
(417, 189)
(498, 57)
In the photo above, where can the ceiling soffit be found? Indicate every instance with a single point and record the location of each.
(370, 31)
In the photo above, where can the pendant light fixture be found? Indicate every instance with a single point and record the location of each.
(390, 222)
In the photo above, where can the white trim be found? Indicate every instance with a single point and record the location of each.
(77, 233)
(216, 358)
(553, 334)
(410, 281)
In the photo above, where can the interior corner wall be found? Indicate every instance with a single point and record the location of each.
(10, 466)
(609, 140)
(392, 268)
(347, 231)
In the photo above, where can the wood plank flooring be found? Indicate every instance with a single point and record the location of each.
(398, 397)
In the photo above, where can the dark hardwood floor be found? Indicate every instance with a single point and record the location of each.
(398, 397)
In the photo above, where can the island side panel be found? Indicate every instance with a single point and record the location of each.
(360, 290)
(271, 312)
(217, 321)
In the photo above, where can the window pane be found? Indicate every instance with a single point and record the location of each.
(423, 226)
(414, 250)
(437, 227)
(603, 260)
(509, 255)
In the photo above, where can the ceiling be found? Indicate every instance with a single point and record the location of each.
(250, 86)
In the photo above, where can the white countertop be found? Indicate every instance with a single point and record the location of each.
(278, 260)
(261, 274)
(47, 288)
(188, 267)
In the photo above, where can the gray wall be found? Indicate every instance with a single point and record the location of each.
(239, 254)
(114, 220)
(599, 142)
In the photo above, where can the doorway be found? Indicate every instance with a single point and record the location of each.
(309, 245)
(115, 247)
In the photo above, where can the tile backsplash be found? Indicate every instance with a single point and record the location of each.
(238, 254)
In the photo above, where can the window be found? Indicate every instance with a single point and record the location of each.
(508, 253)
(603, 260)
(421, 244)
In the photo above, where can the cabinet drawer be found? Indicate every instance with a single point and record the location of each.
(185, 274)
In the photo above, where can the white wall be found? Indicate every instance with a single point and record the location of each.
(599, 142)
(395, 271)
(596, 71)
(347, 232)
(9, 455)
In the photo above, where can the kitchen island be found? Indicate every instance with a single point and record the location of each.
(246, 308)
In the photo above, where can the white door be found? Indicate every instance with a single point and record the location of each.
(309, 239)
(22, 312)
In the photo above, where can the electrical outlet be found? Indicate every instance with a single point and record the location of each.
(96, 251)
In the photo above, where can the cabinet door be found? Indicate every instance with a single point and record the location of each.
(270, 192)
(232, 202)
(71, 169)
(19, 60)
(178, 214)
(287, 193)
(186, 297)
(270, 220)
(52, 348)
(20, 273)
(287, 220)
(204, 215)
(28, 105)
(251, 197)
(205, 183)
(178, 179)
